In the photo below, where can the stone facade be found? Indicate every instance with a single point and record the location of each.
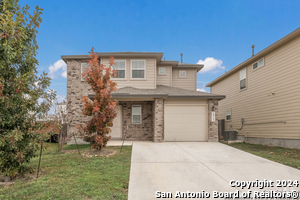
(212, 126)
(76, 89)
(137, 132)
(158, 120)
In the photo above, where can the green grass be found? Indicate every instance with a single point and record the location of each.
(70, 176)
(290, 157)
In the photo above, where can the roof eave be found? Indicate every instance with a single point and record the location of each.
(186, 65)
(220, 97)
(157, 55)
(123, 95)
(127, 95)
(168, 62)
(68, 57)
(139, 95)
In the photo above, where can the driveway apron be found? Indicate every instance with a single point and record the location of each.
(158, 168)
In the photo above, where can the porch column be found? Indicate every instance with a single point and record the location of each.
(158, 120)
(213, 125)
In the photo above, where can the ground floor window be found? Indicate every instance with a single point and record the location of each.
(136, 114)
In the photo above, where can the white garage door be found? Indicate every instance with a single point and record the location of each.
(116, 129)
(185, 122)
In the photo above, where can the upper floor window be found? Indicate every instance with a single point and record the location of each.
(138, 69)
(228, 115)
(161, 70)
(182, 74)
(120, 66)
(83, 66)
(243, 79)
(258, 64)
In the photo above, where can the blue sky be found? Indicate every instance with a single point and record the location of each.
(218, 32)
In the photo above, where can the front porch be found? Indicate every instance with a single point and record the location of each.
(148, 127)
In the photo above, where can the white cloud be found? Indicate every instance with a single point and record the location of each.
(210, 64)
(60, 98)
(201, 90)
(58, 65)
(64, 74)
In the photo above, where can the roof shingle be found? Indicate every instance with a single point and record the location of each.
(164, 91)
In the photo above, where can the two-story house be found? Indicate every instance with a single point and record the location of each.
(157, 99)
(264, 92)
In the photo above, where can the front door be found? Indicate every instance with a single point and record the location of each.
(116, 129)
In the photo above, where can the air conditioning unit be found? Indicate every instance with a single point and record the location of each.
(230, 135)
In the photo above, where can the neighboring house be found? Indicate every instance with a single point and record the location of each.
(47, 118)
(62, 111)
(265, 91)
(158, 99)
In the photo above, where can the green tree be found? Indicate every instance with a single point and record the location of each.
(23, 94)
(102, 108)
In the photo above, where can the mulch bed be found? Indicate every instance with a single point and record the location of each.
(91, 153)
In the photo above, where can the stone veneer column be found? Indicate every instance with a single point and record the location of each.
(212, 126)
(76, 89)
(158, 121)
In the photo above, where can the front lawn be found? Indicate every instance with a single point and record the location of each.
(70, 176)
(290, 157)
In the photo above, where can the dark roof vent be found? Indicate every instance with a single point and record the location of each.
(253, 50)
(181, 56)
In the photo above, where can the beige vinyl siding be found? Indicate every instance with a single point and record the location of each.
(188, 83)
(164, 79)
(147, 83)
(256, 104)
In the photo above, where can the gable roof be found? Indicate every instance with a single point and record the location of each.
(162, 91)
(257, 56)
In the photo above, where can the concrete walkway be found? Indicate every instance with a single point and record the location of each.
(199, 167)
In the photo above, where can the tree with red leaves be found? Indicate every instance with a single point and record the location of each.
(102, 107)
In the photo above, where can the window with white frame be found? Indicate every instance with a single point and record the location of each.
(120, 67)
(83, 66)
(161, 70)
(243, 79)
(182, 74)
(258, 64)
(138, 69)
(228, 115)
(136, 114)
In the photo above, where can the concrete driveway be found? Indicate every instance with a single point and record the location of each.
(199, 167)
